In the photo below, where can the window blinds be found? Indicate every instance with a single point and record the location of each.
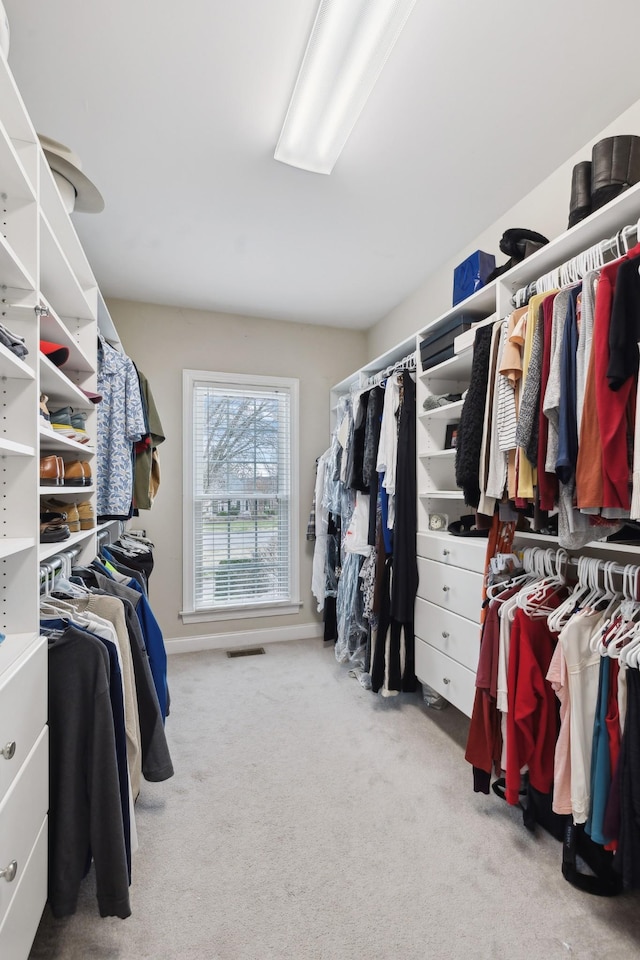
(241, 494)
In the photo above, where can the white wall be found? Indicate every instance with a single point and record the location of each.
(545, 209)
(165, 340)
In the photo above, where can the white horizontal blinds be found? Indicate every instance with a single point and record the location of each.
(242, 494)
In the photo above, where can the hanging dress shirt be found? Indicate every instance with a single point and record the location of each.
(120, 424)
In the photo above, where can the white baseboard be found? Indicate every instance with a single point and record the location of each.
(243, 638)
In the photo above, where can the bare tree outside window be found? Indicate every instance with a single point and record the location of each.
(242, 502)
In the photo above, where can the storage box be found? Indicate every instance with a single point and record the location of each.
(442, 339)
(465, 340)
(437, 358)
(471, 274)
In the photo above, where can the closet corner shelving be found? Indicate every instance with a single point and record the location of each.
(48, 292)
(445, 633)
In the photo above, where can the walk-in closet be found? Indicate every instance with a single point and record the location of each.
(319, 480)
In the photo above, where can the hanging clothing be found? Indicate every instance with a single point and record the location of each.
(144, 488)
(85, 813)
(120, 425)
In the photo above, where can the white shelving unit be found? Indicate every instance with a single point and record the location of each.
(442, 652)
(48, 292)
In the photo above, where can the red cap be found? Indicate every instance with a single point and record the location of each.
(94, 397)
(55, 352)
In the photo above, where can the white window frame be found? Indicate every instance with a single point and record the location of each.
(245, 611)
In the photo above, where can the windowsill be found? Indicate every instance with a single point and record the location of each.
(289, 608)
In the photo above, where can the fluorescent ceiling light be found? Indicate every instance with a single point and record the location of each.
(348, 47)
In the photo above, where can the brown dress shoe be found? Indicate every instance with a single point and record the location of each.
(74, 474)
(50, 472)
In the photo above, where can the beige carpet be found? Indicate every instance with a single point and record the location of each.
(312, 820)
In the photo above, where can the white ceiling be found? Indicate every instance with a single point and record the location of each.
(175, 110)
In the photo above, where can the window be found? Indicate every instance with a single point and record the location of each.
(241, 497)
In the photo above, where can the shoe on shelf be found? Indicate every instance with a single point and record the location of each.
(68, 510)
(78, 422)
(45, 416)
(50, 472)
(53, 532)
(86, 515)
(61, 422)
(77, 473)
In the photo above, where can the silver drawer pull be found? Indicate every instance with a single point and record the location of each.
(445, 635)
(445, 589)
(446, 680)
(8, 750)
(9, 872)
(445, 553)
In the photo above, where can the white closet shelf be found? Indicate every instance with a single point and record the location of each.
(9, 546)
(601, 545)
(12, 270)
(441, 495)
(442, 413)
(439, 454)
(601, 224)
(55, 383)
(62, 491)
(54, 441)
(15, 182)
(13, 367)
(54, 329)
(13, 646)
(58, 282)
(479, 305)
(9, 448)
(50, 549)
(106, 325)
(63, 229)
(457, 367)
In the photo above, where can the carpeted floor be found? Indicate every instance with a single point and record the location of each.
(312, 820)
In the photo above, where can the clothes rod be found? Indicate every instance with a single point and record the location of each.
(574, 269)
(407, 363)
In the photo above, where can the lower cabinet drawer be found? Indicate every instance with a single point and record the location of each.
(466, 552)
(459, 591)
(452, 635)
(18, 930)
(449, 678)
(21, 814)
(23, 709)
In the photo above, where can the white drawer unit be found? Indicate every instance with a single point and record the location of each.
(466, 552)
(21, 814)
(449, 678)
(453, 635)
(21, 922)
(23, 709)
(453, 588)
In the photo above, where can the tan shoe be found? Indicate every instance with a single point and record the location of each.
(69, 509)
(86, 515)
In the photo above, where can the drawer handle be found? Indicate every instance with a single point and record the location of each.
(445, 589)
(445, 634)
(8, 750)
(446, 680)
(445, 553)
(9, 872)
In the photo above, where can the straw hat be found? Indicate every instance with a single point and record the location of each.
(77, 190)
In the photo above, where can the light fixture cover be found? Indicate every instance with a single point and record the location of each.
(348, 47)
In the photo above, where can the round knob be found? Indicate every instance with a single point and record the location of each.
(445, 634)
(8, 750)
(446, 680)
(445, 553)
(9, 872)
(445, 589)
